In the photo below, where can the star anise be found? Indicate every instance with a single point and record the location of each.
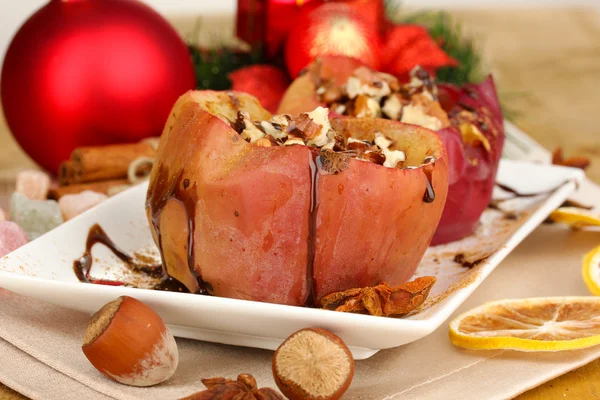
(381, 299)
(244, 388)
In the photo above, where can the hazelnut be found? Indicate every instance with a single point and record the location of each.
(311, 364)
(129, 343)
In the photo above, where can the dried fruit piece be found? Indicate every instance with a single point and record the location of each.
(381, 299)
(244, 388)
(538, 324)
(575, 217)
(472, 136)
(591, 271)
(313, 363)
(129, 343)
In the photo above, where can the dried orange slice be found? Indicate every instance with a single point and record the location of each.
(537, 324)
(591, 271)
(575, 217)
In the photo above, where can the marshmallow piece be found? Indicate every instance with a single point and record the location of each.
(12, 236)
(71, 205)
(33, 184)
(36, 217)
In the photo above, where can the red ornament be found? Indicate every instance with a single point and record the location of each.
(265, 82)
(266, 23)
(407, 46)
(331, 29)
(91, 72)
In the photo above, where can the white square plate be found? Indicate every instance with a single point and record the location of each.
(44, 269)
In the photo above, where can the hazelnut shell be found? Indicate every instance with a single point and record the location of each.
(129, 343)
(313, 347)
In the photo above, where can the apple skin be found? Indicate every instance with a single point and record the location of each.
(275, 224)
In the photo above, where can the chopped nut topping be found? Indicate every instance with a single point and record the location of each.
(415, 102)
(264, 142)
(363, 82)
(250, 132)
(382, 141)
(333, 162)
(272, 131)
(392, 107)
(414, 114)
(305, 127)
(392, 157)
(293, 140)
(320, 116)
(339, 109)
(366, 107)
(313, 129)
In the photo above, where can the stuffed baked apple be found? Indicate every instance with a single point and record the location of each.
(287, 209)
(468, 119)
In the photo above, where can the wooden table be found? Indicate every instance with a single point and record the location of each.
(547, 66)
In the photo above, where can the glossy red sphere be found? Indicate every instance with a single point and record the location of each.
(331, 29)
(91, 72)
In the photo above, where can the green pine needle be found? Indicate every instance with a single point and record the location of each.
(212, 66)
(450, 35)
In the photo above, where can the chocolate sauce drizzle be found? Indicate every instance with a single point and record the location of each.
(83, 265)
(181, 190)
(314, 163)
(429, 195)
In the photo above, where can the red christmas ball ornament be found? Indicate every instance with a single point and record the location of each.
(331, 29)
(91, 72)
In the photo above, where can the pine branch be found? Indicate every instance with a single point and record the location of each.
(451, 38)
(213, 65)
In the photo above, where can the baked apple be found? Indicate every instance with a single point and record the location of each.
(287, 209)
(468, 119)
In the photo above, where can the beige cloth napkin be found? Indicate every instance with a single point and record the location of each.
(41, 356)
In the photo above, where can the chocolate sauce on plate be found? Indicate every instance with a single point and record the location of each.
(83, 265)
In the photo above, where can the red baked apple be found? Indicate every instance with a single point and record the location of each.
(468, 119)
(288, 209)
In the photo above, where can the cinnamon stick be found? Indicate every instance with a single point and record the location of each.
(100, 187)
(66, 173)
(98, 163)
